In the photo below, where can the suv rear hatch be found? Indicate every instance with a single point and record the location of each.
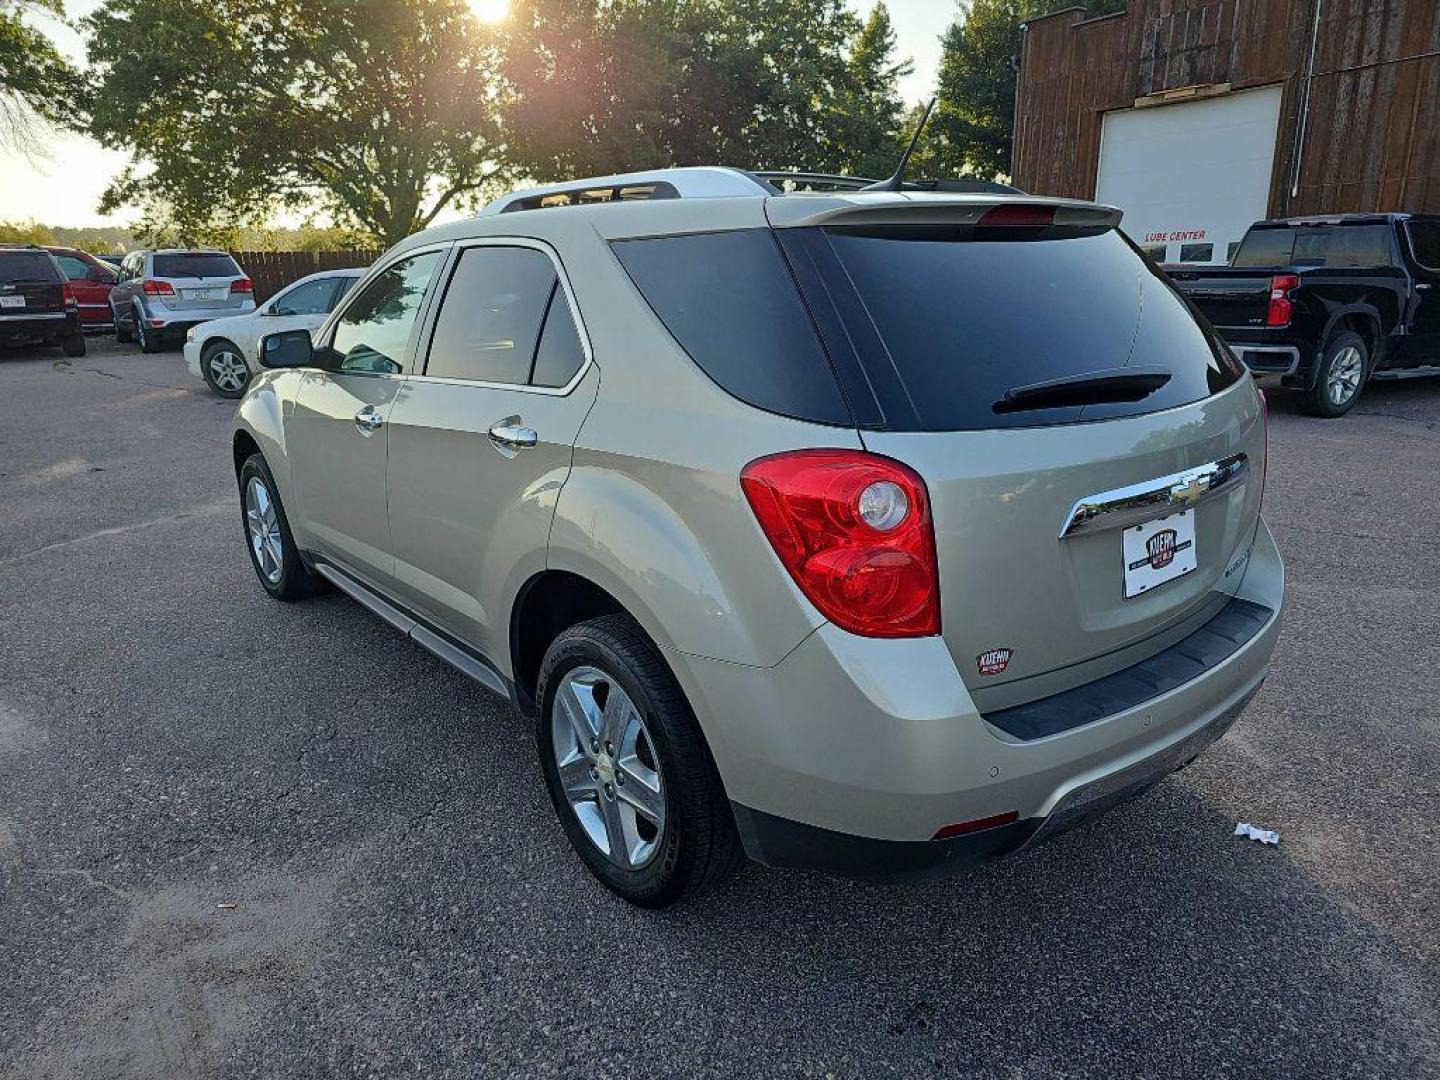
(203, 281)
(30, 284)
(1032, 373)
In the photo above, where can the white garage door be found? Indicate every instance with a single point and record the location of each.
(1190, 177)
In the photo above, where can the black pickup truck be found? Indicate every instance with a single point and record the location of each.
(1326, 302)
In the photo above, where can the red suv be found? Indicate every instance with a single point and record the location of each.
(91, 281)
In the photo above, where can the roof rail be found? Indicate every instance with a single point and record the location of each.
(694, 182)
(833, 181)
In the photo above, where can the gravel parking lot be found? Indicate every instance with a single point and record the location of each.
(244, 838)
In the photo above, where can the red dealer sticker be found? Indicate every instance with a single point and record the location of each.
(993, 661)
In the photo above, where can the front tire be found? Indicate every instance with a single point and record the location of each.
(123, 334)
(1339, 377)
(224, 369)
(272, 548)
(628, 769)
(73, 345)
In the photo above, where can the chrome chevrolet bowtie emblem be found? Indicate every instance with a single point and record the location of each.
(1188, 492)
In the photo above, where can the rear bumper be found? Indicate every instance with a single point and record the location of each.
(852, 753)
(38, 326)
(1267, 359)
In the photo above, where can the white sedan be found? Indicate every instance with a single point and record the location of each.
(224, 352)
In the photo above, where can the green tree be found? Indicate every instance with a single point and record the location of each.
(380, 112)
(972, 129)
(871, 112)
(614, 85)
(36, 82)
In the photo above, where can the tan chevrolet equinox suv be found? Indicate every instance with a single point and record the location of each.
(876, 533)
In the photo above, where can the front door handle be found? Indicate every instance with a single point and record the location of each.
(368, 421)
(510, 437)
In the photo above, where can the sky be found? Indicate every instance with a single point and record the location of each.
(64, 188)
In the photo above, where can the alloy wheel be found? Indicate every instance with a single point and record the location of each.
(1346, 370)
(608, 767)
(227, 370)
(263, 524)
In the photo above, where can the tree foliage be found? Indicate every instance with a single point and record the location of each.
(613, 85)
(35, 80)
(971, 132)
(871, 112)
(382, 112)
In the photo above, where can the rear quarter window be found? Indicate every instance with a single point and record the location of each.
(194, 265)
(729, 300)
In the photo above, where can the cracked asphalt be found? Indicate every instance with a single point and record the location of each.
(239, 838)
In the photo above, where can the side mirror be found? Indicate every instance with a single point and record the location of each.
(287, 349)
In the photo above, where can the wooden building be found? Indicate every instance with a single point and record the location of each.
(1197, 116)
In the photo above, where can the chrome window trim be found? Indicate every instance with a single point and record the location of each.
(1151, 498)
(461, 247)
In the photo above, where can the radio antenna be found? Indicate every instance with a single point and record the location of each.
(897, 181)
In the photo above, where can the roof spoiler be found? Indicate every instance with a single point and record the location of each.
(948, 209)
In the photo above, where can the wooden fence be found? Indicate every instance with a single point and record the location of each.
(271, 271)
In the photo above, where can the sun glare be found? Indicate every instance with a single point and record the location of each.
(490, 10)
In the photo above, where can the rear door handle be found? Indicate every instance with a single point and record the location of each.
(368, 421)
(510, 436)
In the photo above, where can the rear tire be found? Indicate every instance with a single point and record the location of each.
(273, 554)
(148, 339)
(224, 369)
(73, 345)
(695, 845)
(1339, 377)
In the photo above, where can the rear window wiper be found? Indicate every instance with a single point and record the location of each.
(1086, 388)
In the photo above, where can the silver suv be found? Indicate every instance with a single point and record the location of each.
(162, 294)
(875, 533)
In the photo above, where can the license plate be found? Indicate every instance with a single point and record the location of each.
(12, 301)
(1159, 551)
(202, 294)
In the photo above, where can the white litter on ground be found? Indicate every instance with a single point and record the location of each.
(1265, 836)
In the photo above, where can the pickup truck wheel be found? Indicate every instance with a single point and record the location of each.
(272, 548)
(1339, 378)
(628, 770)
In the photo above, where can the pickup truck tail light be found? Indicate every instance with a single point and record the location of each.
(854, 532)
(151, 287)
(242, 285)
(1278, 313)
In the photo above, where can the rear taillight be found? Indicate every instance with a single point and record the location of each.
(242, 285)
(854, 531)
(151, 287)
(67, 294)
(1280, 309)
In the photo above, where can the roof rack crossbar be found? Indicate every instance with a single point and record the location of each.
(696, 182)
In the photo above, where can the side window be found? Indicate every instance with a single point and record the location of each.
(489, 322)
(372, 333)
(342, 289)
(1425, 243)
(311, 298)
(76, 269)
(560, 353)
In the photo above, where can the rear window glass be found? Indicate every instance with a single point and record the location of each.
(195, 264)
(730, 301)
(1336, 247)
(1265, 248)
(27, 266)
(965, 315)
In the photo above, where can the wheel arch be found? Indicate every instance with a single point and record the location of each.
(546, 605)
(1361, 319)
